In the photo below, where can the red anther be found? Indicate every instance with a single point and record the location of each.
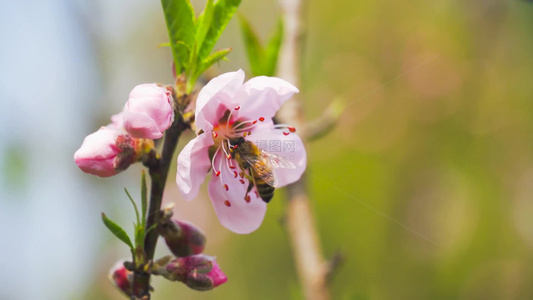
(249, 133)
(255, 121)
(235, 147)
(286, 133)
(227, 203)
(291, 129)
(261, 119)
(237, 107)
(241, 174)
(228, 156)
(217, 173)
(232, 167)
(235, 174)
(215, 134)
(226, 187)
(244, 134)
(242, 181)
(247, 199)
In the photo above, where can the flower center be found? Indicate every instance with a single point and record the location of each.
(226, 135)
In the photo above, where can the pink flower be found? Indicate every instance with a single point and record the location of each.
(199, 272)
(148, 112)
(121, 278)
(106, 152)
(230, 113)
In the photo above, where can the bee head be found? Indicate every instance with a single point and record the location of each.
(238, 141)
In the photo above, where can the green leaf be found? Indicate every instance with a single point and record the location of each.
(272, 50)
(253, 47)
(139, 236)
(209, 61)
(203, 22)
(223, 11)
(117, 231)
(134, 206)
(144, 198)
(179, 16)
(262, 60)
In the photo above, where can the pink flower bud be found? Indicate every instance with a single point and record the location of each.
(121, 278)
(182, 238)
(148, 112)
(199, 272)
(106, 152)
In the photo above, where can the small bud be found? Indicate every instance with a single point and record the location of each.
(182, 238)
(106, 152)
(149, 111)
(199, 272)
(121, 278)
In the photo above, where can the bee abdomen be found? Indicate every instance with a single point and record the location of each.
(265, 191)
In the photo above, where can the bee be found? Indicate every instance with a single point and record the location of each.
(258, 166)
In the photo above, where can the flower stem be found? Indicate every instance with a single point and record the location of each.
(158, 170)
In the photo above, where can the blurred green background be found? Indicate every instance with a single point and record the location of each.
(426, 183)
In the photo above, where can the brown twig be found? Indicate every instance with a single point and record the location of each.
(158, 170)
(311, 267)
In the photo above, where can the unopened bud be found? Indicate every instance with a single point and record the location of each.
(121, 278)
(199, 272)
(149, 111)
(182, 238)
(108, 152)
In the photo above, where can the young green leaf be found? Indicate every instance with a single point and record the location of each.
(203, 22)
(253, 47)
(144, 198)
(134, 206)
(179, 16)
(223, 11)
(209, 61)
(272, 50)
(117, 231)
(262, 60)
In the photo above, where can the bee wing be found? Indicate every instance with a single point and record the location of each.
(277, 161)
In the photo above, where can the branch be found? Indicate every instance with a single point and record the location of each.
(320, 126)
(158, 170)
(311, 267)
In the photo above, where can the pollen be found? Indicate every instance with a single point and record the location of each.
(242, 181)
(227, 203)
(247, 199)
(228, 156)
(261, 119)
(237, 107)
(226, 187)
(235, 174)
(217, 173)
(215, 134)
(292, 129)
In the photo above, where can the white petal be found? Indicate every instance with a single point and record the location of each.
(219, 92)
(233, 211)
(262, 96)
(193, 165)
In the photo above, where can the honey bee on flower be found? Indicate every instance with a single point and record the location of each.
(231, 117)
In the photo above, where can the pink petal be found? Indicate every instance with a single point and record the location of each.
(233, 211)
(262, 96)
(220, 91)
(193, 165)
(283, 143)
(155, 101)
(140, 125)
